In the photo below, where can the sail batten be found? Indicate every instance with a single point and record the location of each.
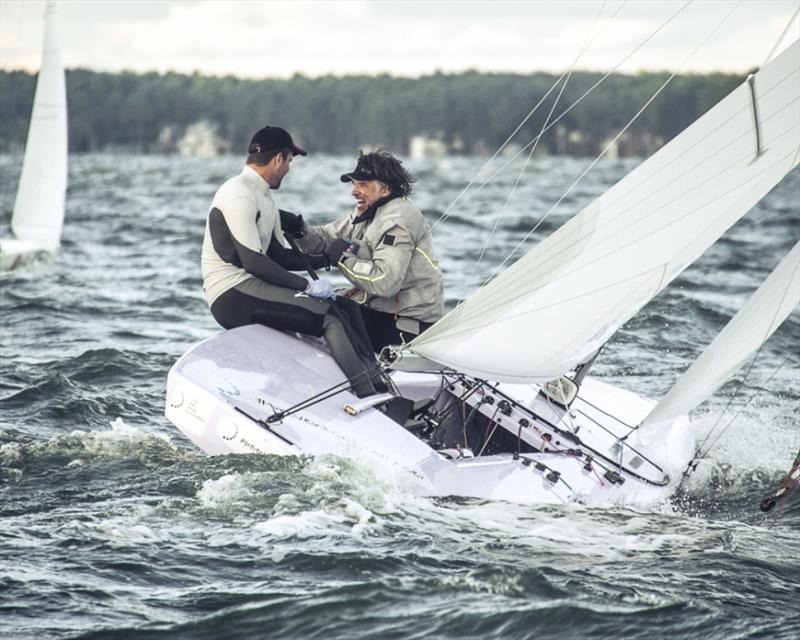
(563, 300)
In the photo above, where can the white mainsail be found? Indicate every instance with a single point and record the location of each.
(754, 323)
(561, 302)
(39, 206)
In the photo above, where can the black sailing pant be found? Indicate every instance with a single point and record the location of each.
(257, 302)
(382, 329)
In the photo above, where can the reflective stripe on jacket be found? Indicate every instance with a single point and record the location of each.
(395, 270)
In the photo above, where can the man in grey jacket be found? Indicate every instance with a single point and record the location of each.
(384, 248)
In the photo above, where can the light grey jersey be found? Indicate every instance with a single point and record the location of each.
(241, 224)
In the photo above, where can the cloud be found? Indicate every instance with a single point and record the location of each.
(278, 39)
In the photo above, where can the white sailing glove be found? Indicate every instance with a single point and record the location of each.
(320, 289)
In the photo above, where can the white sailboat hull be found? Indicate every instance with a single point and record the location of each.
(222, 391)
(14, 252)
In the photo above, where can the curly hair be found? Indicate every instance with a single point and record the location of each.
(388, 169)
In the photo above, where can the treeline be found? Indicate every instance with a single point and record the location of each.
(466, 113)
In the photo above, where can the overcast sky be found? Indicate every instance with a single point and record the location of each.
(257, 39)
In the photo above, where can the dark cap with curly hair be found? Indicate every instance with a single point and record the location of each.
(382, 166)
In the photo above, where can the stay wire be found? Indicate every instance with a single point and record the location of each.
(741, 384)
(558, 119)
(613, 141)
(739, 387)
(584, 47)
(491, 434)
(502, 290)
(701, 454)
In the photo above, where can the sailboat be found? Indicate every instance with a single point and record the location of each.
(479, 412)
(38, 213)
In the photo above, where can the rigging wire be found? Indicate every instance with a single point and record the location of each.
(489, 437)
(588, 41)
(323, 395)
(614, 140)
(663, 25)
(501, 290)
(692, 466)
(741, 385)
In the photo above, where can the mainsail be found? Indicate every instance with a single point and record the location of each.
(756, 321)
(562, 301)
(39, 206)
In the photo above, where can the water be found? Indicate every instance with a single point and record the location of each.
(114, 526)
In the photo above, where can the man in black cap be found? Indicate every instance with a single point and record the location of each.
(246, 268)
(384, 248)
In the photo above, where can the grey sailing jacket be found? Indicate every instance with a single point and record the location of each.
(395, 269)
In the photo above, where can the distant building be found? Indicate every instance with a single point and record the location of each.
(420, 147)
(201, 139)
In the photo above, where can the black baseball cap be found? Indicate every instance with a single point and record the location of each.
(270, 138)
(365, 170)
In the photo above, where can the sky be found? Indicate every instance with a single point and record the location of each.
(272, 39)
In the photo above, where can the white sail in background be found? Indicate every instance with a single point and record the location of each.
(39, 206)
(755, 322)
(562, 301)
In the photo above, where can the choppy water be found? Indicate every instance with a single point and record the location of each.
(113, 526)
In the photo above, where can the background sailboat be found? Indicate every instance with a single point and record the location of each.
(38, 214)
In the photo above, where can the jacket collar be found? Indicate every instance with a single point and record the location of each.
(259, 184)
(369, 213)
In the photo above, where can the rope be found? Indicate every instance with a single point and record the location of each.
(323, 395)
(489, 437)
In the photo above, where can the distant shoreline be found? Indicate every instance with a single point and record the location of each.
(436, 115)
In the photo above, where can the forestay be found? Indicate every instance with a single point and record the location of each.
(39, 206)
(755, 322)
(561, 302)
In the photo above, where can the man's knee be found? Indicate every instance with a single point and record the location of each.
(288, 318)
